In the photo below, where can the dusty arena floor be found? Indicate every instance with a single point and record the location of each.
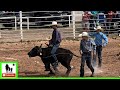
(34, 66)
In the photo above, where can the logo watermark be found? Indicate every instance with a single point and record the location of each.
(8, 69)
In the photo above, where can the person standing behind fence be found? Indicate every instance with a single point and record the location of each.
(99, 36)
(109, 20)
(93, 19)
(85, 20)
(87, 45)
(118, 22)
(102, 19)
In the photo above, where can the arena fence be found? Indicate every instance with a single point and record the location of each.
(22, 28)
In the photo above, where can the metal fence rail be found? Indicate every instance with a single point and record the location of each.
(23, 28)
(26, 21)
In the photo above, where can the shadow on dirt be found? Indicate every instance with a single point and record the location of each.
(32, 74)
(38, 74)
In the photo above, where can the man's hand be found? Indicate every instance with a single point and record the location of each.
(94, 53)
(50, 45)
(81, 52)
(47, 44)
(48, 38)
(103, 46)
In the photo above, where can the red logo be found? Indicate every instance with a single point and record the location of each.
(8, 74)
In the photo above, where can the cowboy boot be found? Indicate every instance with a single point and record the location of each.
(55, 65)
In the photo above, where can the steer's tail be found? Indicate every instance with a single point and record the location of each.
(69, 54)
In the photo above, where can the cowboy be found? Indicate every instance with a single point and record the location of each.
(87, 45)
(99, 37)
(55, 43)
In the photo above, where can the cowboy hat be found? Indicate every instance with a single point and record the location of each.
(54, 23)
(84, 34)
(98, 28)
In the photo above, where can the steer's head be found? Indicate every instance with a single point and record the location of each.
(36, 51)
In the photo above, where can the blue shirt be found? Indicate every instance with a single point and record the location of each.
(99, 37)
(87, 45)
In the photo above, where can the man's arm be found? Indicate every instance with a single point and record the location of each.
(58, 37)
(105, 40)
(53, 39)
(92, 34)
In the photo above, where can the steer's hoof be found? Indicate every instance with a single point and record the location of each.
(57, 72)
(66, 75)
(92, 75)
(47, 69)
(51, 73)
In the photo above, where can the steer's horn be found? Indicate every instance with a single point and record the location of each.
(40, 45)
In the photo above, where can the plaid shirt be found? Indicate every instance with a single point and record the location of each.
(87, 45)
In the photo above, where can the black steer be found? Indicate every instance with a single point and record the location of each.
(64, 56)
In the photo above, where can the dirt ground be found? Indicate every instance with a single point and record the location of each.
(34, 66)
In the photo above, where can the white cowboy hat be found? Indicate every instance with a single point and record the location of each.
(54, 23)
(98, 28)
(84, 34)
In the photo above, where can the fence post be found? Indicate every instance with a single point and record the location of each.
(21, 33)
(15, 23)
(69, 20)
(27, 23)
(73, 19)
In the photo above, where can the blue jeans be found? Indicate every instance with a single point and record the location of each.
(87, 58)
(53, 51)
(99, 55)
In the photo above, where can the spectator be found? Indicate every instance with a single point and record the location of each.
(93, 19)
(109, 23)
(118, 14)
(85, 20)
(101, 19)
(117, 22)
